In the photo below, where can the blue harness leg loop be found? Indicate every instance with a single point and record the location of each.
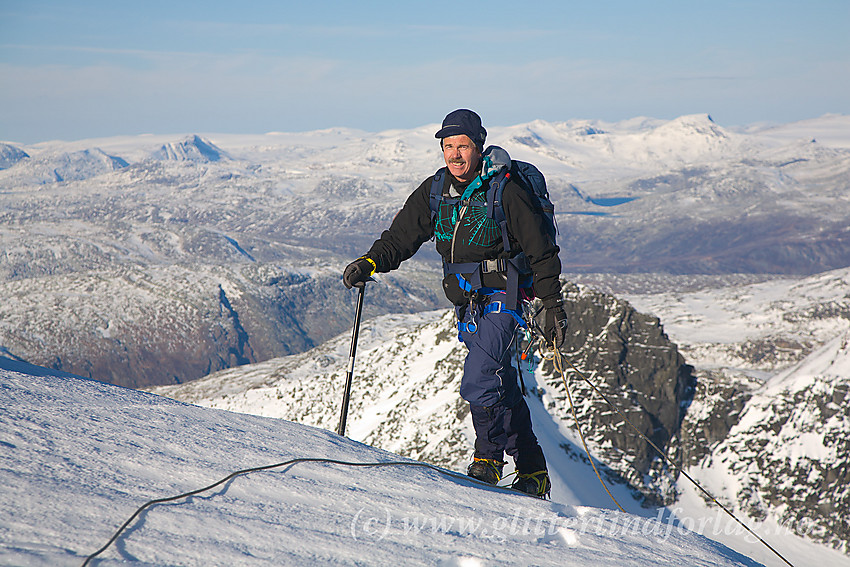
(492, 306)
(471, 327)
(499, 307)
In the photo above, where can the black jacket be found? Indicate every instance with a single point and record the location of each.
(472, 237)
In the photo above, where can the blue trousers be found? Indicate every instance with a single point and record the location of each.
(500, 415)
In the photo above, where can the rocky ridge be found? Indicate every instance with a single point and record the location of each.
(769, 444)
(141, 326)
(785, 450)
(768, 424)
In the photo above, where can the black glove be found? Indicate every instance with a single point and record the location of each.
(555, 326)
(357, 273)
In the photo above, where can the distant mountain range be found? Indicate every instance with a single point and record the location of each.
(158, 259)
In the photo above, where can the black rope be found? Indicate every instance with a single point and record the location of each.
(150, 503)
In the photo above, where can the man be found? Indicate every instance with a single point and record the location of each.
(451, 207)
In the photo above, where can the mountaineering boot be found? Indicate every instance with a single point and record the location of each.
(537, 483)
(486, 470)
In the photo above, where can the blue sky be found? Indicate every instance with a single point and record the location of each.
(73, 70)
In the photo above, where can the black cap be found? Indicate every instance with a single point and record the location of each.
(463, 121)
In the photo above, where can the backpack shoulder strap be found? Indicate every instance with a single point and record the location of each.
(495, 210)
(436, 194)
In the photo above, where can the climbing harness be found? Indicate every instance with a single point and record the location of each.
(480, 303)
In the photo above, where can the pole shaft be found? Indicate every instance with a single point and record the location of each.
(343, 414)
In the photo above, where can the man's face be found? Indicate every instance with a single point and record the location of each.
(462, 157)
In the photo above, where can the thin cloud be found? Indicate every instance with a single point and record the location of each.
(144, 53)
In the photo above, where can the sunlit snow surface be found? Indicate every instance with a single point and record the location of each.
(408, 372)
(80, 456)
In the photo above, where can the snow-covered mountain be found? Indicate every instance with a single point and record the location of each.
(407, 399)
(57, 167)
(787, 453)
(193, 148)
(760, 327)
(769, 440)
(10, 155)
(144, 325)
(685, 196)
(80, 457)
(769, 423)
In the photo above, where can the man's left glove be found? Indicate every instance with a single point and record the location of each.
(555, 326)
(357, 273)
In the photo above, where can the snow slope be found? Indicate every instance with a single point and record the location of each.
(407, 375)
(787, 455)
(80, 456)
(758, 327)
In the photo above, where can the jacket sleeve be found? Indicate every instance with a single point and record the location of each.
(526, 225)
(410, 228)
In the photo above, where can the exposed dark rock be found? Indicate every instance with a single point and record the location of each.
(717, 406)
(630, 359)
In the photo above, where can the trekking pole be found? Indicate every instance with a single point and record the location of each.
(349, 373)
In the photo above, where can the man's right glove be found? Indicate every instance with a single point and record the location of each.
(357, 273)
(555, 326)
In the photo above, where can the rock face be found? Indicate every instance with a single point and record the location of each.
(718, 403)
(630, 359)
(767, 430)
